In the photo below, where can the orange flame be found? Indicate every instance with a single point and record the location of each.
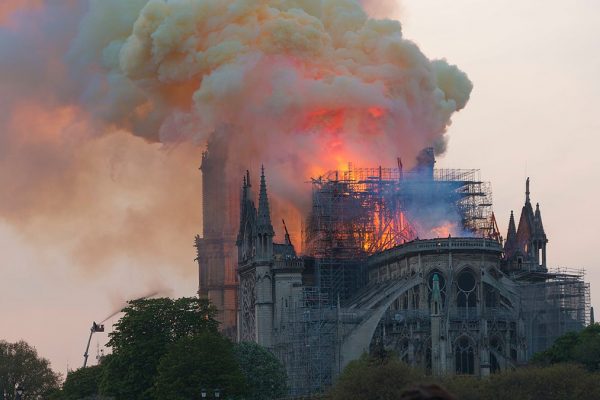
(444, 230)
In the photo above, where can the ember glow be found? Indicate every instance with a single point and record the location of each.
(445, 230)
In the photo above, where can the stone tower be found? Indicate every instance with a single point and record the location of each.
(268, 271)
(216, 247)
(255, 262)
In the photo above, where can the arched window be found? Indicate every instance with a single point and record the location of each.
(464, 355)
(466, 295)
(496, 349)
(491, 296)
(494, 365)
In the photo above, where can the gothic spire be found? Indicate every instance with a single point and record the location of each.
(264, 215)
(511, 237)
(512, 230)
(539, 226)
(527, 191)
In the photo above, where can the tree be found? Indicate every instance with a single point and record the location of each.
(141, 338)
(557, 382)
(370, 378)
(265, 375)
(20, 363)
(574, 347)
(82, 383)
(199, 362)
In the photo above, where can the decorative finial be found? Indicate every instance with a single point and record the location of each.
(527, 191)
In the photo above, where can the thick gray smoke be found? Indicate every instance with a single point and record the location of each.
(303, 85)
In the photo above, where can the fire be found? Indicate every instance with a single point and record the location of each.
(376, 112)
(387, 232)
(445, 230)
(329, 122)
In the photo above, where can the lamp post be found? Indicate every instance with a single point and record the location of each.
(217, 394)
(203, 393)
(19, 391)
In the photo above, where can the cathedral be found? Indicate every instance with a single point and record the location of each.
(474, 304)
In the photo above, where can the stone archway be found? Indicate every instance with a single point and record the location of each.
(358, 340)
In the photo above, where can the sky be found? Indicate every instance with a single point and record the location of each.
(118, 212)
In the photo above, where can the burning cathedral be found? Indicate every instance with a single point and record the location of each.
(410, 261)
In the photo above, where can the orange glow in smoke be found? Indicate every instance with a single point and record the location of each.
(376, 112)
(38, 124)
(326, 121)
(443, 231)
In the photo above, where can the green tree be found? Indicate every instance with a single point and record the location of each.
(265, 375)
(82, 383)
(557, 382)
(574, 347)
(370, 378)
(199, 362)
(587, 349)
(20, 363)
(141, 338)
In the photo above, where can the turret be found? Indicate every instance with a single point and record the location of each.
(525, 247)
(539, 237)
(264, 228)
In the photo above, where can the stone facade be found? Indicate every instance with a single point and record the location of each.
(460, 317)
(448, 305)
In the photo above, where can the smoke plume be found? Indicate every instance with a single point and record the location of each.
(302, 86)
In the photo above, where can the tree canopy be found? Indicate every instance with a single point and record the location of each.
(199, 362)
(370, 378)
(264, 373)
(142, 336)
(20, 363)
(82, 383)
(574, 347)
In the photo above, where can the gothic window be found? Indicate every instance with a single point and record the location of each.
(428, 362)
(494, 365)
(402, 349)
(491, 296)
(466, 295)
(464, 355)
(496, 349)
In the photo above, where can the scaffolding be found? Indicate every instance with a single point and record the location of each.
(362, 211)
(306, 343)
(553, 303)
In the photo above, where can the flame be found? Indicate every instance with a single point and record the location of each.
(387, 232)
(326, 121)
(445, 230)
(376, 112)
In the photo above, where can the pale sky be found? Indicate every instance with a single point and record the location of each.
(534, 66)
